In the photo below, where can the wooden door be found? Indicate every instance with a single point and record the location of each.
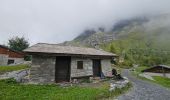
(96, 68)
(62, 72)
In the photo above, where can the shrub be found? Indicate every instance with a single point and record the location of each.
(9, 81)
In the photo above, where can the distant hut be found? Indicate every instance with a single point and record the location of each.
(159, 70)
(9, 56)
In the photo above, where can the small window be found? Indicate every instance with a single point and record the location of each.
(10, 61)
(79, 64)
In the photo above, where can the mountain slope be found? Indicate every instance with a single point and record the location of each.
(144, 40)
(96, 37)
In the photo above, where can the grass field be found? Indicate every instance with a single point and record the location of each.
(10, 90)
(4, 69)
(162, 81)
(138, 70)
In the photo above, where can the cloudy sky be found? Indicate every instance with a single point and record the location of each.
(55, 21)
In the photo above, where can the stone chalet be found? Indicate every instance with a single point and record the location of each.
(9, 56)
(52, 63)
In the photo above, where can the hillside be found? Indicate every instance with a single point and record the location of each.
(144, 40)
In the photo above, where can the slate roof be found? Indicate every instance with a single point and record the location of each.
(5, 47)
(158, 66)
(58, 49)
(10, 52)
(165, 66)
(2, 46)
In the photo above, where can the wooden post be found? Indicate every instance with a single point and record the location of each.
(164, 75)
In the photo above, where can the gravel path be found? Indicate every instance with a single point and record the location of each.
(144, 90)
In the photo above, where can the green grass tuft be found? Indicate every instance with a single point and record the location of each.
(162, 81)
(4, 69)
(138, 70)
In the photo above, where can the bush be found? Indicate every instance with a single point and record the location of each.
(126, 63)
(27, 58)
(10, 81)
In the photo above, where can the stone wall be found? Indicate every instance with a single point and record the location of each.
(3, 59)
(87, 67)
(17, 75)
(43, 69)
(157, 74)
(106, 67)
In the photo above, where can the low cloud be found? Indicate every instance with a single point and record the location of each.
(55, 21)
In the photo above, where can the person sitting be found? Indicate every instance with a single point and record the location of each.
(118, 76)
(114, 72)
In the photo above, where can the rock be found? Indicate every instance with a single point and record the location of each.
(125, 78)
(25, 79)
(17, 75)
(112, 87)
(146, 76)
(118, 84)
(75, 81)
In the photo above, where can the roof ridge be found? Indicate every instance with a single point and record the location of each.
(66, 46)
(55, 48)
